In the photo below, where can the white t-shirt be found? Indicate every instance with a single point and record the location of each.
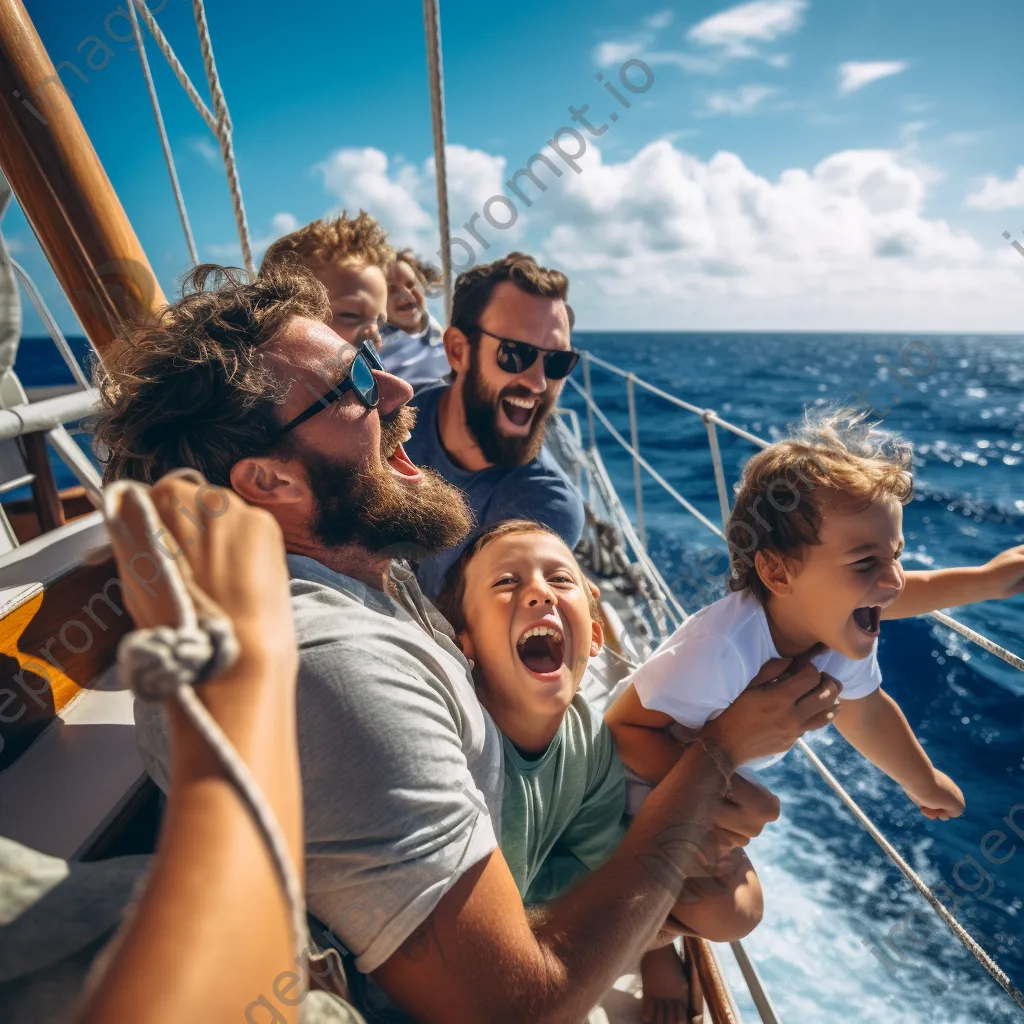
(711, 658)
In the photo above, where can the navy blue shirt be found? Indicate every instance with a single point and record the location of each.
(540, 490)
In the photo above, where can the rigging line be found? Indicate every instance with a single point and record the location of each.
(162, 130)
(997, 974)
(695, 512)
(50, 323)
(435, 67)
(982, 641)
(179, 72)
(223, 132)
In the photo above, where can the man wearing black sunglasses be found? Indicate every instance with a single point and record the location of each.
(509, 349)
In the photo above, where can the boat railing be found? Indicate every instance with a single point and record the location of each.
(670, 612)
(41, 425)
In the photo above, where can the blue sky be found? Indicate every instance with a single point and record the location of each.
(794, 164)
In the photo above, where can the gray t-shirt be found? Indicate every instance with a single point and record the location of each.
(401, 766)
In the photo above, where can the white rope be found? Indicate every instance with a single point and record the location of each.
(982, 641)
(998, 975)
(162, 130)
(435, 69)
(175, 65)
(223, 132)
(168, 662)
(219, 120)
(693, 510)
(52, 327)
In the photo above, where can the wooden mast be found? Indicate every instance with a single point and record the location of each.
(64, 191)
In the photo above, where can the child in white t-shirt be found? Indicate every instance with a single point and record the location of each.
(815, 538)
(411, 340)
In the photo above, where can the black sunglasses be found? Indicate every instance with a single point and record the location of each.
(517, 356)
(358, 377)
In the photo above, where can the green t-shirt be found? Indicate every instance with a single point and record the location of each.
(562, 813)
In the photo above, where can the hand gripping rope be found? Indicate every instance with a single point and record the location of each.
(168, 662)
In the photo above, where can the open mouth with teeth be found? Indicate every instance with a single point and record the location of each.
(868, 618)
(541, 649)
(519, 410)
(401, 463)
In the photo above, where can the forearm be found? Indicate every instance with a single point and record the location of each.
(930, 590)
(212, 930)
(876, 727)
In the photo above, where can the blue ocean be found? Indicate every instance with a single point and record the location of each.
(845, 937)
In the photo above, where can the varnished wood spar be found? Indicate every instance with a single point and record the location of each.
(64, 191)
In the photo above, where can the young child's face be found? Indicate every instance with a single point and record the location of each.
(840, 586)
(405, 296)
(528, 625)
(359, 296)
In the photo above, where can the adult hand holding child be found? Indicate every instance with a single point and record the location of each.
(787, 698)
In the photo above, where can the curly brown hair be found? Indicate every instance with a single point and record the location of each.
(473, 287)
(450, 601)
(189, 386)
(832, 450)
(342, 239)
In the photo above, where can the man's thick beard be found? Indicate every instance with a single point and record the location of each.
(372, 510)
(482, 410)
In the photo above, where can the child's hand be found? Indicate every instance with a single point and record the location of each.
(1004, 574)
(943, 800)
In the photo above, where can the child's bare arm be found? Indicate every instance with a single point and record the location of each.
(642, 737)
(927, 591)
(879, 730)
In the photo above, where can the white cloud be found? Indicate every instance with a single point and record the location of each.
(615, 52)
(280, 224)
(403, 196)
(665, 240)
(726, 35)
(361, 179)
(284, 224)
(204, 148)
(735, 29)
(854, 75)
(743, 100)
(660, 20)
(995, 194)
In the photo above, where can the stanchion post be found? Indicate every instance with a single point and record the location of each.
(716, 459)
(590, 400)
(634, 439)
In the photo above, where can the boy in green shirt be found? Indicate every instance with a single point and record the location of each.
(529, 622)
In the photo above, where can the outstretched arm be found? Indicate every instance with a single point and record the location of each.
(927, 591)
(877, 727)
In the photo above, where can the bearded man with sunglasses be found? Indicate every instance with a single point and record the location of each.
(508, 347)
